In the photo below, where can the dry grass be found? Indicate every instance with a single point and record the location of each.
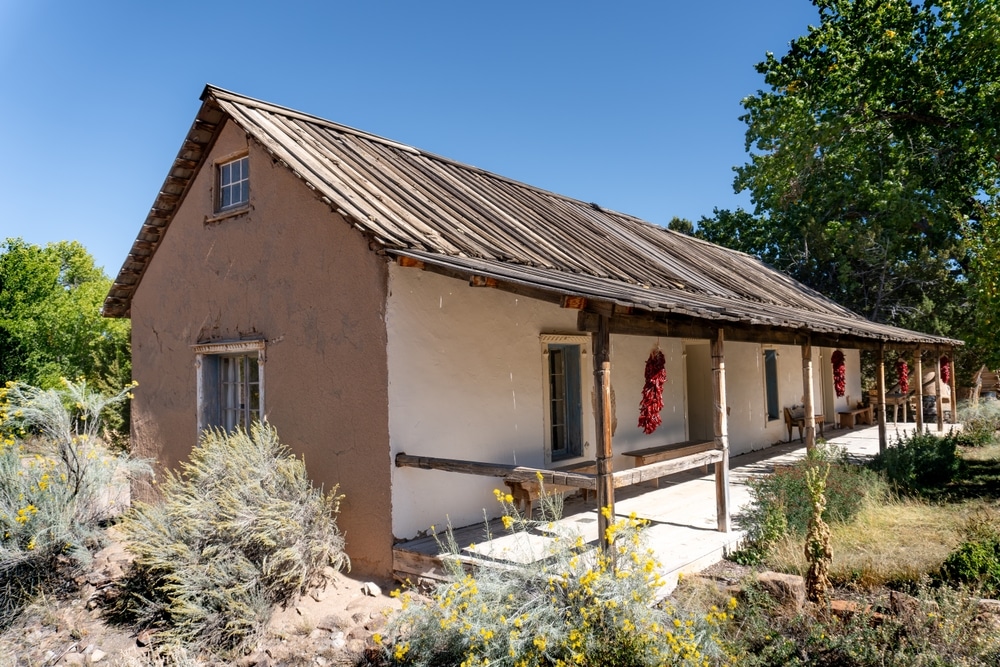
(901, 540)
(987, 453)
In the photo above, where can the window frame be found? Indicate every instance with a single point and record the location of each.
(210, 403)
(584, 387)
(221, 185)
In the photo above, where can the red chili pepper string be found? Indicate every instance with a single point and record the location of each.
(903, 371)
(652, 392)
(946, 370)
(839, 373)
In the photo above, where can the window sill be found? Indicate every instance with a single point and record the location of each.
(228, 213)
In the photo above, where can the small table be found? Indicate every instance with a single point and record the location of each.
(854, 416)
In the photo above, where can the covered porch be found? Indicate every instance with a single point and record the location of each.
(682, 526)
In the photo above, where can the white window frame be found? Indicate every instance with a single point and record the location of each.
(586, 394)
(207, 369)
(228, 184)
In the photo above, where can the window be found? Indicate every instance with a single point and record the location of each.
(771, 383)
(230, 384)
(239, 382)
(565, 408)
(234, 183)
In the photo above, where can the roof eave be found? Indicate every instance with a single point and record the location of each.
(176, 185)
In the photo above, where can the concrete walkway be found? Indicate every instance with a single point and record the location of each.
(682, 529)
(683, 517)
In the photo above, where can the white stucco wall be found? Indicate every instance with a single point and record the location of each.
(467, 381)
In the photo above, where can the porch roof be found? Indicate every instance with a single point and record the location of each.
(468, 221)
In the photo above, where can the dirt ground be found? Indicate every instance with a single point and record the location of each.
(328, 626)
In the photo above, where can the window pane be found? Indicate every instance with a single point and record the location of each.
(565, 407)
(771, 382)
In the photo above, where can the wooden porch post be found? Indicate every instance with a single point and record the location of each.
(954, 387)
(721, 424)
(603, 419)
(937, 390)
(918, 364)
(880, 384)
(807, 394)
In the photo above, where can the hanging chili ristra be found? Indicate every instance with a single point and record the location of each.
(946, 370)
(903, 370)
(839, 373)
(652, 392)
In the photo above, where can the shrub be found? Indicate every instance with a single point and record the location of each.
(240, 528)
(980, 424)
(946, 629)
(780, 503)
(58, 483)
(919, 462)
(568, 605)
(976, 561)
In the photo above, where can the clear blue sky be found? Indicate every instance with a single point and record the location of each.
(633, 105)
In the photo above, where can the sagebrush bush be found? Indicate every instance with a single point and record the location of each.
(976, 561)
(780, 503)
(919, 463)
(58, 483)
(238, 530)
(568, 605)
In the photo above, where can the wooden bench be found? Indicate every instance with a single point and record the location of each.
(800, 422)
(674, 450)
(854, 416)
(527, 491)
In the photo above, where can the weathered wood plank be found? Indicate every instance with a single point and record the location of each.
(808, 395)
(937, 391)
(666, 452)
(562, 478)
(880, 388)
(721, 426)
(652, 471)
(954, 390)
(918, 363)
(604, 419)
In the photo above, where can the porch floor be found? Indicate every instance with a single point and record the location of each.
(681, 514)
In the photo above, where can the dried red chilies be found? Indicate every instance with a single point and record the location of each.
(652, 392)
(839, 373)
(946, 370)
(903, 371)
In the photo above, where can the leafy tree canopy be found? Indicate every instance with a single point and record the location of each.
(50, 318)
(874, 161)
(682, 225)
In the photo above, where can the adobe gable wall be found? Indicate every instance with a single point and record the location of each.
(294, 272)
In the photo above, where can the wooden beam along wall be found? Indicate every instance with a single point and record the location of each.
(519, 473)
(621, 478)
(637, 325)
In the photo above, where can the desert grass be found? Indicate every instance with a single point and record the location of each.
(893, 542)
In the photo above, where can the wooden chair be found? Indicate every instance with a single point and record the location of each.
(800, 421)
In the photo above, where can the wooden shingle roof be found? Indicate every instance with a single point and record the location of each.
(467, 221)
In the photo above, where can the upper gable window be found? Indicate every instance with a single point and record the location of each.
(234, 183)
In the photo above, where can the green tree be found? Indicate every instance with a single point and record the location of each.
(873, 164)
(50, 318)
(682, 225)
